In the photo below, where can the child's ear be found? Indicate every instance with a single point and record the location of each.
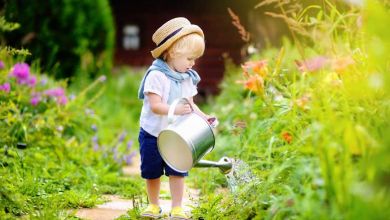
(171, 54)
(164, 55)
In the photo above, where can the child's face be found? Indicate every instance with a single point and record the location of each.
(183, 62)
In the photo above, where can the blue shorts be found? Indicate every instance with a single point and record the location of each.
(152, 164)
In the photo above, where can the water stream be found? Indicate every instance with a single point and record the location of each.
(240, 176)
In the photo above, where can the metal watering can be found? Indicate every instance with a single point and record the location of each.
(186, 139)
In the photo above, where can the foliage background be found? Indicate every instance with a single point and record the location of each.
(68, 38)
(309, 119)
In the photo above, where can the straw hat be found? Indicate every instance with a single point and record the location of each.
(171, 31)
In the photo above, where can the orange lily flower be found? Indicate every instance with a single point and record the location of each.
(254, 83)
(287, 136)
(258, 67)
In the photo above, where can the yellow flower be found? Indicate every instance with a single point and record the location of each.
(303, 101)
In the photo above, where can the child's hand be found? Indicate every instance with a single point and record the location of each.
(213, 121)
(183, 108)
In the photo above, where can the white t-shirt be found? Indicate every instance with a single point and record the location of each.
(156, 82)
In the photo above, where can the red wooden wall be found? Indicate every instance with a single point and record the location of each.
(212, 16)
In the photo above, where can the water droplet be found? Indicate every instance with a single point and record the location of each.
(241, 175)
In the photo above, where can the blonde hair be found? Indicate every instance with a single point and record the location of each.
(192, 44)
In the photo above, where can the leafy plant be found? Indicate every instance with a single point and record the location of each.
(308, 120)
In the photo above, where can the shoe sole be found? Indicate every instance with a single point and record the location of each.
(178, 218)
(150, 216)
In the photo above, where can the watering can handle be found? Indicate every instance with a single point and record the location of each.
(172, 107)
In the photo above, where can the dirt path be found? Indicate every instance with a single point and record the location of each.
(116, 206)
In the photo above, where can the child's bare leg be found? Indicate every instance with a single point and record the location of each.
(153, 189)
(176, 185)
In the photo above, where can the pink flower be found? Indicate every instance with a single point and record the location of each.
(57, 92)
(1, 65)
(6, 87)
(35, 100)
(62, 100)
(21, 71)
(311, 65)
(32, 81)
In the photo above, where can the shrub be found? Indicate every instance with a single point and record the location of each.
(51, 158)
(311, 123)
(68, 37)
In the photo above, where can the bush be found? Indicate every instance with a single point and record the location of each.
(312, 131)
(50, 152)
(51, 158)
(68, 37)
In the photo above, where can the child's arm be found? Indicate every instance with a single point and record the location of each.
(212, 120)
(197, 109)
(160, 108)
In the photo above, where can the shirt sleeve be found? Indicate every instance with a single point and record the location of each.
(154, 83)
(189, 89)
(194, 89)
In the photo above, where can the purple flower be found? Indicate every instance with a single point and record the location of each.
(102, 78)
(129, 145)
(116, 158)
(6, 87)
(129, 158)
(32, 81)
(72, 96)
(56, 92)
(95, 139)
(21, 71)
(94, 128)
(43, 81)
(95, 143)
(62, 100)
(89, 112)
(35, 100)
(115, 150)
(1, 65)
(122, 137)
(95, 146)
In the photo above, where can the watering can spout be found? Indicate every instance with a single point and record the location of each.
(224, 164)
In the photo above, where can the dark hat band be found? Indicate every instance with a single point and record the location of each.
(169, 36)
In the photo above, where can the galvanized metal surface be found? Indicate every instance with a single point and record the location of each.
(186, 140)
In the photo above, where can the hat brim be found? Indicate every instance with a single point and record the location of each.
(156, 53)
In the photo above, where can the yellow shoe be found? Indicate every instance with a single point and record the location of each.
(177, 213)
(152, 211)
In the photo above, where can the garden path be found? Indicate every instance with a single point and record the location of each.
(117, 206)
